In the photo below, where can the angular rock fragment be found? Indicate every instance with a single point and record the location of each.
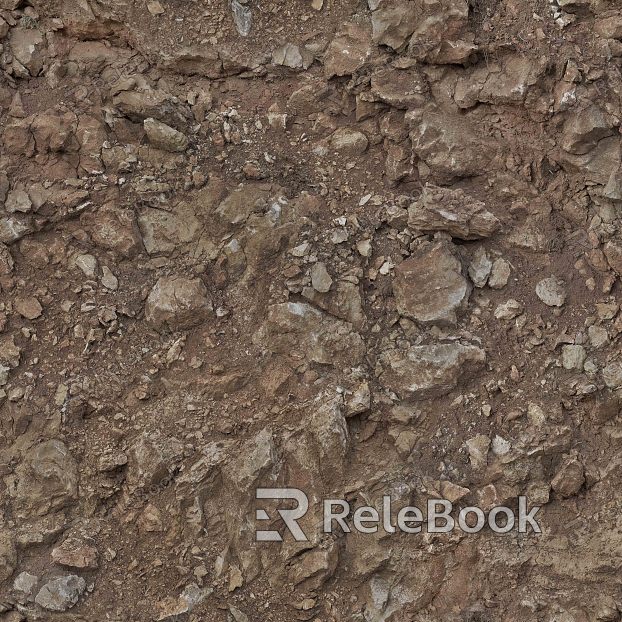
(480, 267)
(343, 301)
(75, 553)
(453, 211)
(551, 291)
(430, 370)
(499, 274)
(177, 303)
(27, 47)
(402, 88)
(429, 286)
(152, 460)
(504, 84)
(114, 228)
(584, 130)
(18, 201)
(348, 52)
(46, 480)
(449, 145)
(62, 593)
(349, 141)
(8, 555)
(151, 103)
(298, 328)
(393, 23)
(320, 279)
(25, 584)
(257, 459)
(28, 307)
(292, 56)
(569, 478)
(573, 357)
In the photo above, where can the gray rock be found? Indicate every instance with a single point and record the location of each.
(18, 201)
(453, 211)
(242, 17)
(25, 583)
(62, 593)
(573, 357)
(612, 375)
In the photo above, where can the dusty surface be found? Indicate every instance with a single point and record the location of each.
(357, 249)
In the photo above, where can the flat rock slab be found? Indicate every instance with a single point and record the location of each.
(430, 370)
(452, 211)
(430, 288)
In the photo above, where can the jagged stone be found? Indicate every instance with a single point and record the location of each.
(430, 370)
(429, 286)
(453, 211)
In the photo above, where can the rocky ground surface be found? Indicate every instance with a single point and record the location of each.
(361, 248)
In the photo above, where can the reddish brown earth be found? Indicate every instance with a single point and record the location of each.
(358, 249)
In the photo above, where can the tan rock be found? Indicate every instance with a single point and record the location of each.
(430, 370)
(299, 329)
(569, 477)
(46, 480)
(453, 211)
(114, 228)
(394, 22)
(28, 307)
(164, 137)
(75, 553)
(177, 303)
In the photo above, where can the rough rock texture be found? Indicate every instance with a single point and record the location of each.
(453, 211)
(356, 247)
(177, 303)
(430, 371)
(430, 287)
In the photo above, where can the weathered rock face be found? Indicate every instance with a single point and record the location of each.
(402, 88)
(432, 370)
(47, 480)
(429, 286)
(507, 83)
(8, 555)
(177, 303)
(298, 329)
(164, 137)
(441, 35)
(114, 229)
(347, 52)
(453, 211)
(61, 594)
(448, 144)
(163, 232)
